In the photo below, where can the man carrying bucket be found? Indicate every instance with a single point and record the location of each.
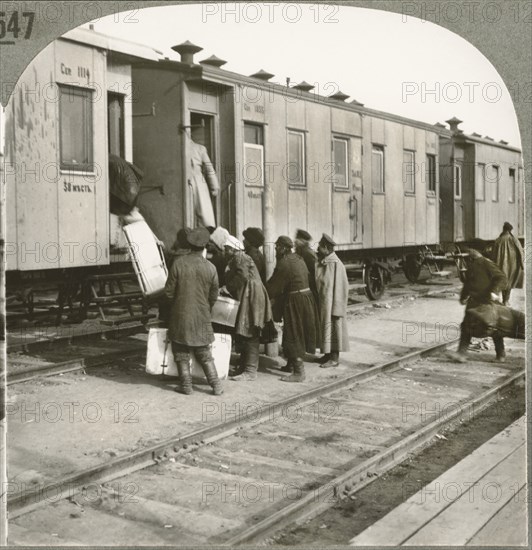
(243, 282)
(192, 289)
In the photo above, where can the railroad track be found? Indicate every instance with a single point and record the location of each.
(269, 466)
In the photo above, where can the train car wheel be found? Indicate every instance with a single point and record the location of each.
(461, 263)
(412, 268)
(374, 280)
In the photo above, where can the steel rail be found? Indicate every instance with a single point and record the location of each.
(73, 337)
(353, 480)
(26, 500)
(72, 365)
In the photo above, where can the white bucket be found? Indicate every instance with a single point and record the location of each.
(224, 311)
(160, 359)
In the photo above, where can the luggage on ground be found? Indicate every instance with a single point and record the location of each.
(160, 359)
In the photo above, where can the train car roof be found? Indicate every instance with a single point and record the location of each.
(109, 43)
(460, 137)
(205, 73)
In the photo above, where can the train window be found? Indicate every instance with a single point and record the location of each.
(341, 163)
(253, 170)
(75, 127)
(493, 176)
(480, 182)
(377, 168)
(431, 173)
(409, 166)
(296, 158)
(511, 190)
(457, 181)
(115, 124)
(253, 133)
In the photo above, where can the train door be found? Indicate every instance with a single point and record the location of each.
(346, 178)
(252, 175)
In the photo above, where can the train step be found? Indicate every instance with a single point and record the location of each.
(116, 297)
(144, 318)
(356, 286)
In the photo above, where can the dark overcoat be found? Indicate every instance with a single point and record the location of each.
(258, 257)
(333, 290)
(482, 278)
(289, 286)
(310, 259)
(192, 289)
(243, 282)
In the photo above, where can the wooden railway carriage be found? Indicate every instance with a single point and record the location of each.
(70, 108)
(287, 158)
(481, 183)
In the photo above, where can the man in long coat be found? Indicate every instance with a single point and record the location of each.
(243, 282)
(253, 240)
(192, 289)
(294, 302)
(203, 179)
(302, 242)
(509, 256)
(333, 289)
(483, 282)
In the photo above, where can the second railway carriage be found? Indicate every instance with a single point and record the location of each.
(286, 158)
(481, 184)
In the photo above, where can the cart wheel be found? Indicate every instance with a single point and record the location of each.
(461, 264)
(412, 268)
(461, 268)
(374, 280)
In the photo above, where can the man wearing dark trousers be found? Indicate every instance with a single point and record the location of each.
(294, 303)
(483, 283)
(302, 242)
(192, 289)
(243, 283)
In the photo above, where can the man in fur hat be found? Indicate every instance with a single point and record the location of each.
(242, 281)
(253, 241)
(302, 242)
(333, 290)
(192, 289)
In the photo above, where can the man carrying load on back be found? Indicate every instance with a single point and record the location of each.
(484, 281)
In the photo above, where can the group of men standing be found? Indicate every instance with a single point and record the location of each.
(307, 291)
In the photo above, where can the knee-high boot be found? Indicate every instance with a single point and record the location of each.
(298, 374)
(499, 348)
(185, 378)
(249, 361)
(209, 369)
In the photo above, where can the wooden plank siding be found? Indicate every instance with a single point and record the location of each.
(49, 202)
